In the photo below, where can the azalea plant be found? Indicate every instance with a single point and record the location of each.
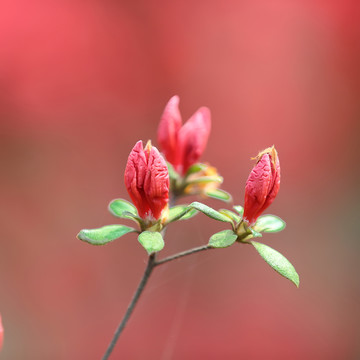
(157, 180)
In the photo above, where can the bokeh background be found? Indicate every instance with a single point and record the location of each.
(82, 81)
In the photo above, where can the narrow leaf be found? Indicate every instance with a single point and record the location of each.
(269, 223)
(222, 239)
(176, 212)
(231, 215)
(104, 234)
(196, 168)
(151, 241)
(277, 261)
(123, 209)
(210, 212)
(180, 212)
(219, 195)
(239, 209)
(189, 214)
(205, 180)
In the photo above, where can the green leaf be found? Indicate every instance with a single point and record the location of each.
(219, 195)
(210, 212)
(189, 214)
(151, 241)
(173, 175)
(269, 223)
(234, 217)
(123, 209)
(180, 212)
(205, 180)
(222, 239)
(104, 234)
(239, 209)
(277, 261)
(196, 168)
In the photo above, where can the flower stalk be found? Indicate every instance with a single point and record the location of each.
(148, 270)
(152, 263)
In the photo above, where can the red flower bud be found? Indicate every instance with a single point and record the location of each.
(147, 181)
(1, 334)
(262, 184)
(183, 146)
(168, 130)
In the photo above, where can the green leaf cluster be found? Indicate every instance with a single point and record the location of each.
(241, 232)
(150, 237)
(149, 234)
(200, 179)
(152, 240)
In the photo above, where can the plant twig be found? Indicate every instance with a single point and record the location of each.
(152, 263)
(181, 254)
(149, 268)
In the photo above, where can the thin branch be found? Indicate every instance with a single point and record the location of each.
(152, 263)
(149, 268)
(183, 253)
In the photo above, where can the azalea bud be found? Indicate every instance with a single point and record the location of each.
(147, 181)
(262, 184)
(1, 334)
(168, 130)
(183, 145)
(193, 137)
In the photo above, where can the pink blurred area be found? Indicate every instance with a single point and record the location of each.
(82, 81)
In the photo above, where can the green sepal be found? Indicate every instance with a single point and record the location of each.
(277, 261)
(222, 239)
(123, 209)
(180, 212)
(269, 223)
(151, 241)
(239, 209)
(105, 234)
(231, 215)
(219, 195)
(245, 232)
(210, 212)
(254, 233)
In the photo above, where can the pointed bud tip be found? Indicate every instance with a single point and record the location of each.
(175, 99)
(148, 146)
(172, 104)
(271, 151)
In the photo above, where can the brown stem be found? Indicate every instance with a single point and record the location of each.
(183, 253)
(149, 268)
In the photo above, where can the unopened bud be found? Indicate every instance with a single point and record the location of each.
(262, 184)
(147, 181)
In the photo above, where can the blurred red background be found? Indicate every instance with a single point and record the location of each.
(82, 81)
